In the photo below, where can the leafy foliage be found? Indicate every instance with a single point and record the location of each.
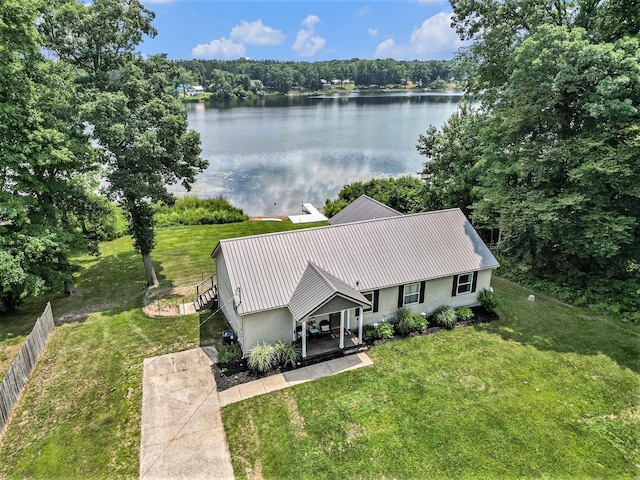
(223, 75)
(408, 322)
(445, 316)
(488, 299)
(402, 194)
(550, 158)
(464, 313)
(228, 353)
(383, 330)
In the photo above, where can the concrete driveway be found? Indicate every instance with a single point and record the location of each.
(182, 432)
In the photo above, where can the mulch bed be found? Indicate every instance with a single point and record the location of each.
(236, 372)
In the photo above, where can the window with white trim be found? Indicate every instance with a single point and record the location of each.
(368, 296)
(465, 283)
(411, 294)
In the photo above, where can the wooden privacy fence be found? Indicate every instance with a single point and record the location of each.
(22, 365)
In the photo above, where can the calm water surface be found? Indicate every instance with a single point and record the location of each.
(270, 156)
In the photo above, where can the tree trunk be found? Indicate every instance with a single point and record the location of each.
(69, 287)
(151, 273)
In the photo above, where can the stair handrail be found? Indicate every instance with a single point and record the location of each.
(208, 279)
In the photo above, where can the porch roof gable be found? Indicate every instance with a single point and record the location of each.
(317, 287)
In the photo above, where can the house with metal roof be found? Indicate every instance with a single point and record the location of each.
(363, 208)
(333, 280)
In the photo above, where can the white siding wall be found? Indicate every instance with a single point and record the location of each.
(274, 325)
(437, 293)
(268, 327)
(225, 294)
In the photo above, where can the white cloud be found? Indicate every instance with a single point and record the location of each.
(307, 43)
(364, 11)
(433, 39)
(373, 32)
(310, 21)
(255, 33)
(223, 48)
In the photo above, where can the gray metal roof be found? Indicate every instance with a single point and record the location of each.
(364, 255)
(363, 208)
(315, 288)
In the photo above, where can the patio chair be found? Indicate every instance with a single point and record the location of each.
(324, 327)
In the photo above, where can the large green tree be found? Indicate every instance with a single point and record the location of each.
(136, 121)
(143, 132)
(555, 149)
(45, 160)
(451, 171)
(562, 150)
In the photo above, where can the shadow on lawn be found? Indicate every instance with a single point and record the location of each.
(548, 324)
(113, 284)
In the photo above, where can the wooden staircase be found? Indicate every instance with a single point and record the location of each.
(206, 295)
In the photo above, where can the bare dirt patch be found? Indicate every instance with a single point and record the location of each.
(170, 302)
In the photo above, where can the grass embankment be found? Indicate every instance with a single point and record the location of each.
(548, 391)
(90, 372)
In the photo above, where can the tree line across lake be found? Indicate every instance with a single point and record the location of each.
(234, 77)
(547, 164)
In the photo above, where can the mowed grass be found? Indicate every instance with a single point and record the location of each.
(79, 416)
(116, 279)
(549, 391)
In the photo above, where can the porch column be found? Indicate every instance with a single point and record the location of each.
(304, 339)
(360, 322)
(341, 329)
(347, 326)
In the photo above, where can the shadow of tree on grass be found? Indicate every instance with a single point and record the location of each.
(548, 324)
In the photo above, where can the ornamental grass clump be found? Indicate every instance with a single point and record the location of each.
(287, 354)
(262, 358)
(407, 322)
(445, 316)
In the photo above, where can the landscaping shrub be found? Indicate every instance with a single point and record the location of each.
(287, 354)
(408, 322)
(382, 331)
(228, 353)
(262, 358)
(488, 299)
(419, 323)
(369, 333)
(464, 313)
(445, 316)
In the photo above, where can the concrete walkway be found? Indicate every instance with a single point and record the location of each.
(182, 431)
(287, 379)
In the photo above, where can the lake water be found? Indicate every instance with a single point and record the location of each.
(269, 156)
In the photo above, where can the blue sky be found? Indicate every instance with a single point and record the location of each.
(302, 30)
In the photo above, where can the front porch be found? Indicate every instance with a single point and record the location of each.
(327, 345)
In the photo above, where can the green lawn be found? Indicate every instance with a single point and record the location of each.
(84, 395)
(548, 391)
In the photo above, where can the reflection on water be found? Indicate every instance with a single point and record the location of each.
(267, 159)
